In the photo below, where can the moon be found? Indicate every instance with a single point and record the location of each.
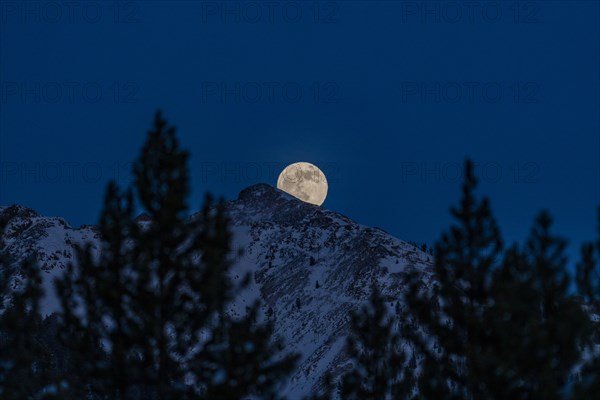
(304, 181)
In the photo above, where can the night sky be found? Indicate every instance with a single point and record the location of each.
(387, 98)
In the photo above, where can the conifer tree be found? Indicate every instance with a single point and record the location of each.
(96, 301)
(498, 324)
(238, 360)
(537, 327)
(588, 283)
(449, 316)
(24, 360)
(148, 313)
(374, 347)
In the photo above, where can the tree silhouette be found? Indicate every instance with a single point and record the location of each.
(499, 324)
(588, 283)
(24, 359)
(148, 313)
(375, 349)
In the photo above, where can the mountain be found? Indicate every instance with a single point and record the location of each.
(310, 267)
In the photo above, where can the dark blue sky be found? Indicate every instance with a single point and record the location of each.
(388, 98)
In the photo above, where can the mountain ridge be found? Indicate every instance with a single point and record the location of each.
(310, 267)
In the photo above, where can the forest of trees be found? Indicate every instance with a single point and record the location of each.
(146, 318)
(502, 322)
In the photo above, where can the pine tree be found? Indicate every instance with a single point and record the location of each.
(148, 314)
(536, 326)
(464, 257)
(498, 324)
(237, 361)
(588, 283)
(97, 308)
(24, 360)
(375, 349)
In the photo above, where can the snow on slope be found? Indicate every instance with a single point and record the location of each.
(282, 234)
(309, 265)
(48, 240)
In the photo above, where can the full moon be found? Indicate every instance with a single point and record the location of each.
(304, 181)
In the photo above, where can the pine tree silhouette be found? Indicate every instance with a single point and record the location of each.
(588, 283)
(536, 326)
(498, 324)
(464, 257)
(148, 314)
(374, 347)
(24, 359)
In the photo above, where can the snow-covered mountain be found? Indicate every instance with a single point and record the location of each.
(310, 267)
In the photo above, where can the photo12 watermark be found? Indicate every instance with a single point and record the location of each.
(269, 12)
(69, 12)
(269, 92)
(469, 92)
(469, 12)
(520, 172)
(64, 172)
(256, 171)
(68, 92)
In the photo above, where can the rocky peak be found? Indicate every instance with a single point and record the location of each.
(310, 266)
(260, 191)
(262, 202)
